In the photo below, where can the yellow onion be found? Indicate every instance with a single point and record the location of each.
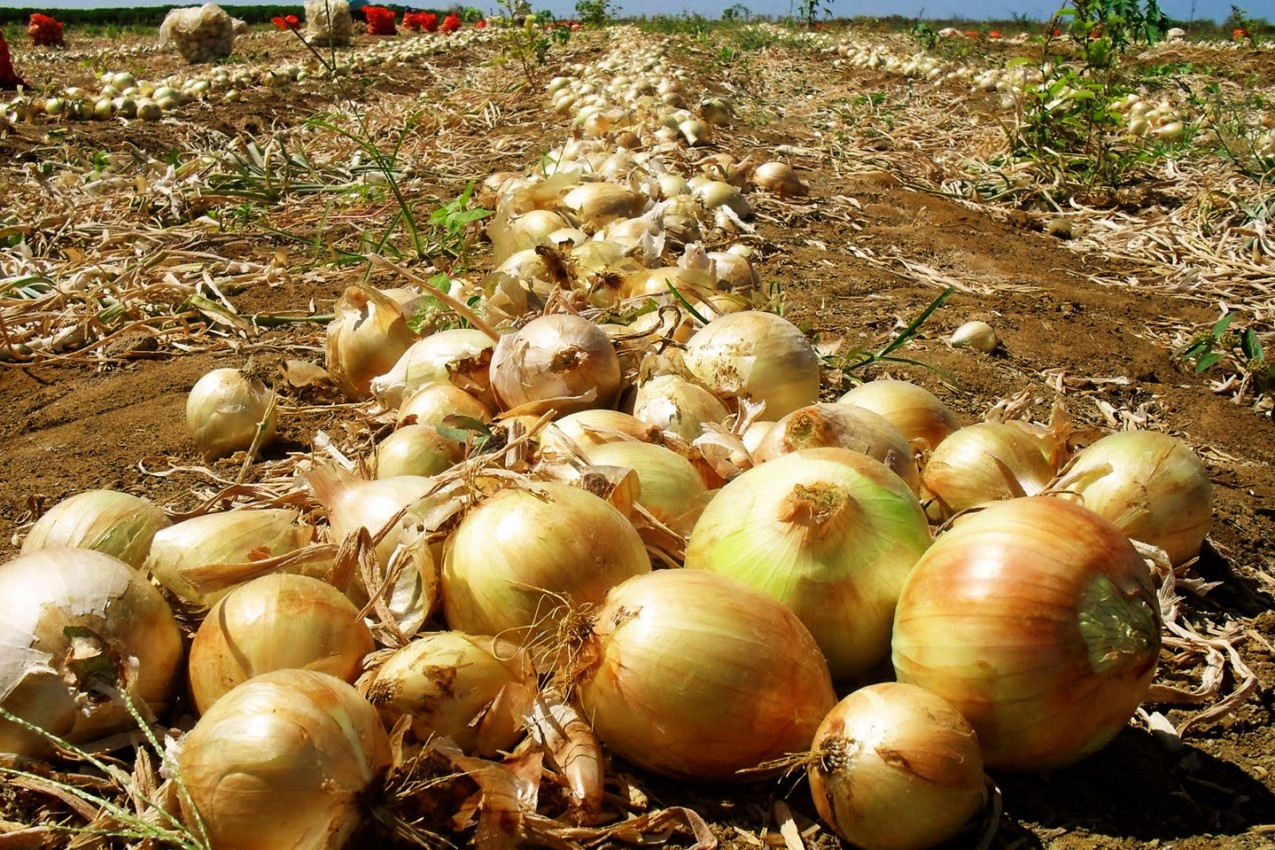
(228, 538)
(922, 419)
(780, 178)
(366, 339)
(285, 760)
(896, 768)
(844, 426)
(735, 273)
(475, 690)
(417, 450)
(598, 204)
(560, 362)
(715, 193)
(113, 523)
(511, 235)
(676, 405)
(986, 462)
(979, 336)
(460, 355)
(224, 411)
(276, 622)
(431, 404)
(523, 556)
(587, 428)
(71, 611)
(1151, 486)
(831, 534)
(757, 356)
(1038, 620)
(695, 676)
(671, 489)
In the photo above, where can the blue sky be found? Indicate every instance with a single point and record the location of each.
(970, 9)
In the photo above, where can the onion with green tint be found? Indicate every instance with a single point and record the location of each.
(830, 533)
(117, 524)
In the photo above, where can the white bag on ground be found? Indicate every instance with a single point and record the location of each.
(200, 33)
(328, 22)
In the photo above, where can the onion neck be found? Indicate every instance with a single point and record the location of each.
(818, 508)
(809, 429)
(1119, 630)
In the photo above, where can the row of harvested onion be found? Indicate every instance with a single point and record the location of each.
(502, 553)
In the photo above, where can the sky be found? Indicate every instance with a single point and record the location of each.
(969, 9)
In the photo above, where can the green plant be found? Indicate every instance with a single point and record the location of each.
(529, 44)
(1240, 350)
(849, 362)
(595, 13)
(454, 225)
(810, 11)
(1229, 117)
(737, 12)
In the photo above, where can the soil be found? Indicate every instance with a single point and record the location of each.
(116, 419)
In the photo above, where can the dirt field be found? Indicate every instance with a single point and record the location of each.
(895, 214)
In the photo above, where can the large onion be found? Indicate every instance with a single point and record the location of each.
(675, 404)
(522, 557)
(283, 760)
(898, 768)
(460, 355)
(695, 676)
(1152, 486)
(366, 339)
(920, 416)
(561, 361)
(276, 622)
(758, 356)
(110, 522)
(1038, 620)
(66, 610)
(831, 534)
(986, 462)
(671, 489)
(224, 411)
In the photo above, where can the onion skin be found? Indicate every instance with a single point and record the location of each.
(922, 419)
(113, 523)
(276, 622)
(831, 534)
(695, 676)
(1039, 621)
(1152, 486)
(283, 761)
(899, 768)
(560, 361)
(975, 466)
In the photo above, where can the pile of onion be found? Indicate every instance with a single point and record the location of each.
(1038, 620)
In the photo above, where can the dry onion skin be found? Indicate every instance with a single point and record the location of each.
(472, 689)
(1037, 619)
(695, 676)
(276, 622)
(224, 411)
(986, 462)
(283, 761)
(831, 534)
(518, 561)
(757, 356)
(923, 419)
(896, 768)
(1152, 486)
(117, 524)
(676, 405)
(366, 339)
(114, 615)
(561, 362)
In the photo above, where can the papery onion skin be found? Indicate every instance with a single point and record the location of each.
(522, 555)
(831, 534)
(471, 688)
(49, 590)
(922, 418)
(560, 362)
(759, 356)
(366, 339)
(276, 622)
(1039, 621)
(283, 761)
(695, 676)
(674, 404)
(1150, 485)
(899, 768)
(986, 462)
(117, 524)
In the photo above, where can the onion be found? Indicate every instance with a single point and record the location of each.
(474, 690)
(695, 676)
(780, 178)
(715, 193)
(113, 523)
(224, 411)
(284, 760)
(671, 489)
(678, 406)
(460, 355)
(735, 273)
(522, 555)
(71, 610)
(844, 426)
(1038, 620)
(757, 356)
(432, 404)
(986, 462)
(830, 533)
(1151, 486)
(921, 418)
(588, 428)
(366, 339)
(598, 204)
(979, 336)
(228, 538)
(276, 622)
(416, 450)
(561, 361)
(897, 768)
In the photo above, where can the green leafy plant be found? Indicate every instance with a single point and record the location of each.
(595, 13)
(809, 12)
(529, 44)
(453, 224)
(1241, 350)
(849, 362)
